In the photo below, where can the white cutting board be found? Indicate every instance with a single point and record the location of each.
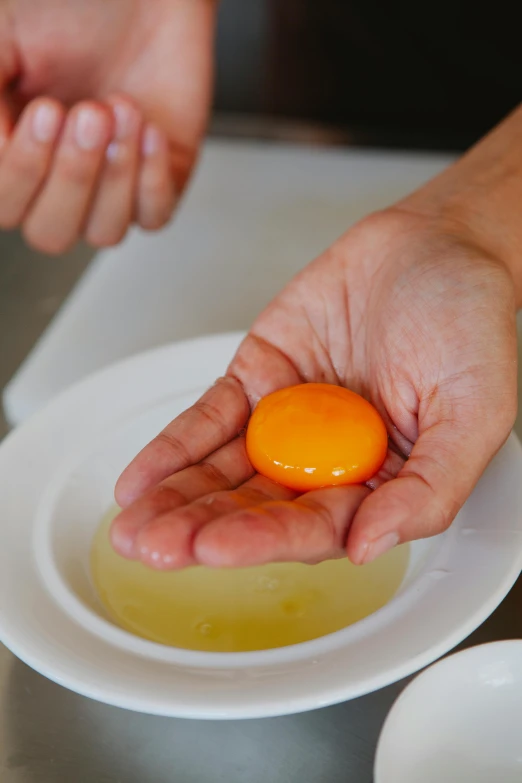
(255, 214)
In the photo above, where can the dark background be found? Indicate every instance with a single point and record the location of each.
(406, 74)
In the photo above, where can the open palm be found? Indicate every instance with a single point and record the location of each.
(401, 310)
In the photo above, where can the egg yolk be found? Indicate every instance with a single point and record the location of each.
(316, 435)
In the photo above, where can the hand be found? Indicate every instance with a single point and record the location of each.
(406, 309)
(102, 109)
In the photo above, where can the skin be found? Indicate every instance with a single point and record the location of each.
(414, 308)
(103, 105)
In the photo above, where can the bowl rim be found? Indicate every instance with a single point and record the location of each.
(53, 642)
(478, 653)
(45, 560)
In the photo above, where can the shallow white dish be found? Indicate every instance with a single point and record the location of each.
(57, 473)
(458, 722)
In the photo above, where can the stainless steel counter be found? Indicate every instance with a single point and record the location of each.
(49, 735)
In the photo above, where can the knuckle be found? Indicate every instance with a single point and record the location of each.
(76, 170)
(26, 167)
(164, 497)
(212, 415)
(443, 518)
(156, 184)
(323, 515)
(252, 496)
(220, 503)
(440, 510)
(215, 475)
(175, 446)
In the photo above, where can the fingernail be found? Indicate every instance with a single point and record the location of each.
(113, 150)
(380, 547)
(46, 123)
(90, 130)
(126, 121)
(152, 141)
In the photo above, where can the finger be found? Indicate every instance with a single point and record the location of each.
(262, 368)
(9, 103)
(309, 529)
(390, 468)
(56, 220)
(6, 122)
(27, 158)
(257, 369)
(168, 542)
(214, 420)
(156, 191)
(445, 464)
(225, 469)
(112, 209)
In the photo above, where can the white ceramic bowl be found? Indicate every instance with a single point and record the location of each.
(458, 722)
(57, 474)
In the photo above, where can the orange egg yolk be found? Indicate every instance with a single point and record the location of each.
(316, 435)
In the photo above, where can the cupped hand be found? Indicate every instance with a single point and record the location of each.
(405, 309)
(102, 109)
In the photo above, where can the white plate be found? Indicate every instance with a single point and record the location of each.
(56, 478)
(458, 722)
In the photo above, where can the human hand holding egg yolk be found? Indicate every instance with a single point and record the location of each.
(316, 435)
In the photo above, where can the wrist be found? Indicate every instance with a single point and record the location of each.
(479, 198)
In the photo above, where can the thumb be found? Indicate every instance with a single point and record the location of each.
(445, 464)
